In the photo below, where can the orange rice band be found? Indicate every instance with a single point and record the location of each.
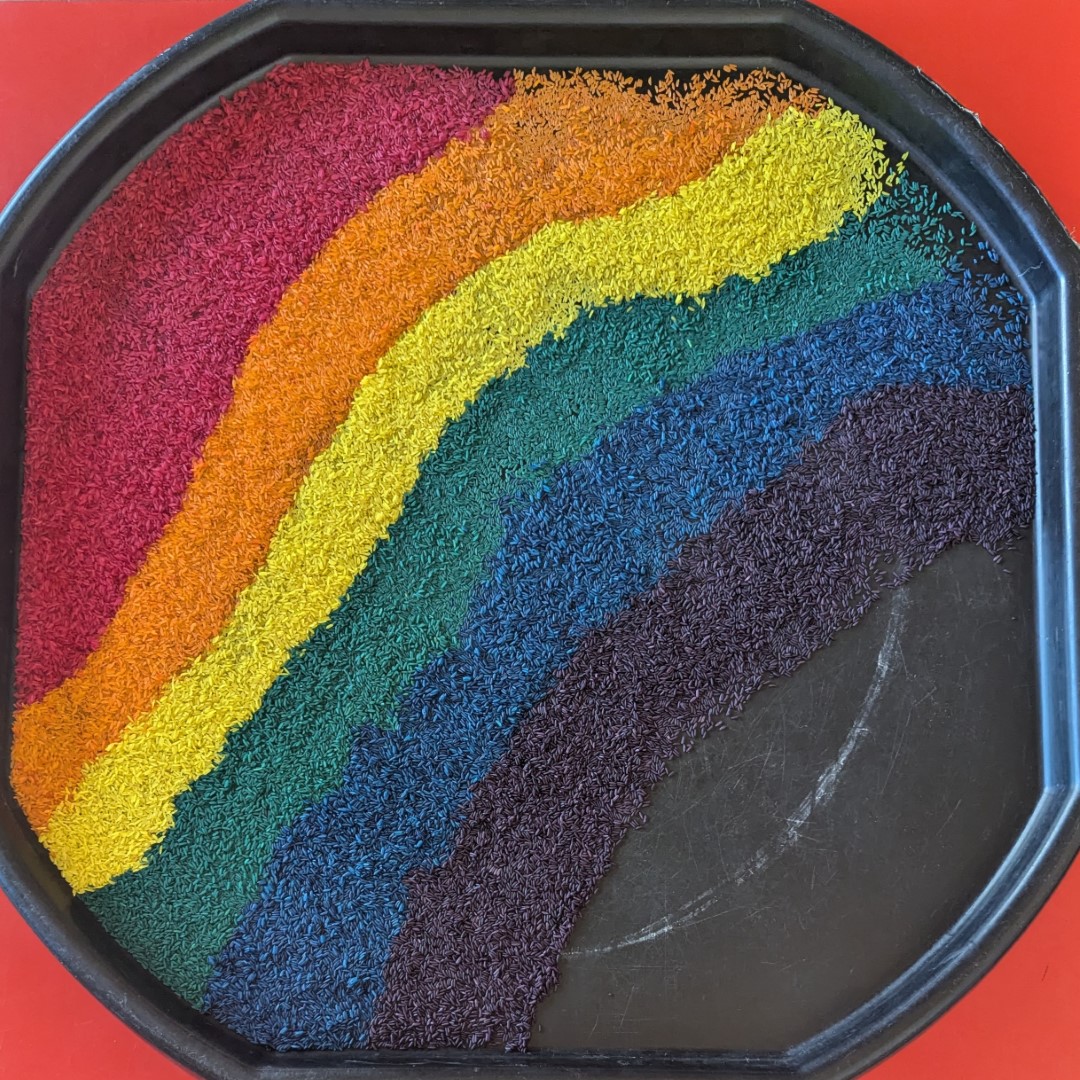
(564, 147)
(791, 183)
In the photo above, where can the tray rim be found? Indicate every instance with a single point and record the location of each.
(960, 153)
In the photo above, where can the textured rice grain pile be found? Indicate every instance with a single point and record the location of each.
(418, 460)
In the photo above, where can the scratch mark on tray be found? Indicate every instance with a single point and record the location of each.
(694, 910)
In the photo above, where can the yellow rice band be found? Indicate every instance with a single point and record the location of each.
(788, 185)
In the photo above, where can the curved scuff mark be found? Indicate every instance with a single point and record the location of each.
(822, 792)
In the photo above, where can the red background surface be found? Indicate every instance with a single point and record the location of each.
(1012, 62)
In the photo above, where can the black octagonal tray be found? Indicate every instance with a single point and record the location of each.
(888, 820)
